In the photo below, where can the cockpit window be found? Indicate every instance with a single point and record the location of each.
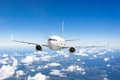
(52, 40)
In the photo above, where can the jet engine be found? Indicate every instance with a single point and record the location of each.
(72, 49)
(38, 48)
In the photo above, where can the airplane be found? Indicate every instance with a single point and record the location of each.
(55, 43)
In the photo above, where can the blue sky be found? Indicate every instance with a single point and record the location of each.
(35, 20)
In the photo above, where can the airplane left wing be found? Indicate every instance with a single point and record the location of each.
(25, 42)
(30, 43)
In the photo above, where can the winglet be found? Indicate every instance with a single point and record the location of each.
(108, 43)
(62, 29)
(11, 37)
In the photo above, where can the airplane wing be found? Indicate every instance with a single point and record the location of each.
(83, 46)
(89, 46)
(30, 43)
(92, 46)
(27, 42)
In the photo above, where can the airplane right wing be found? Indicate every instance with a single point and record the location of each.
(82, 46)
(93, 46)
(73, 48)
(89, 46)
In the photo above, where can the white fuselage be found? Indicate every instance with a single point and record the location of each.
(56, 43)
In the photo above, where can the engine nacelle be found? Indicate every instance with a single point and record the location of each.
(72, 49)
(39, 48)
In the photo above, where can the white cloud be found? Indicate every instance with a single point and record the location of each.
(110, 50)
(38, 76)
(95, 56)
(63, 53)
(81, 52)
(83, 62)
(50, 65)
(60, 52)
(66, 55)
(78, 59)
(106, 59)
(7, 71)
(108, 65)
(19, 73)
(4, 61)
(42, 53)
(4, 55)
(29, 59)
(53, 64)
(38, 52)
(102, 53)
(57, 73)
(33, 70)
(15, 62)
(39, 67)
(46, 66)
(105, 79)
(73, 68)
(105, 51)
(92, 50)
(45, 58)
